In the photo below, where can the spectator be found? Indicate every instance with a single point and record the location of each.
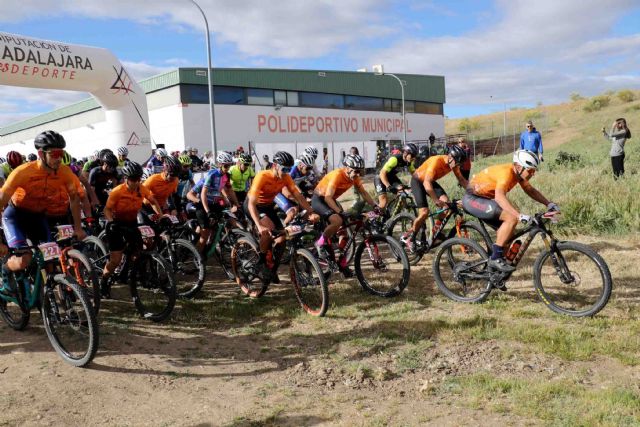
(432, 139)
(531, 140)
(196, 162)
(465, 168)
(239, 150)
(618, 135)
(267, 164)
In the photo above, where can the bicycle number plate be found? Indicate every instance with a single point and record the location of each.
(65, 231)
(146, 231)
(50, 250)
(172, 218)
(372, 215)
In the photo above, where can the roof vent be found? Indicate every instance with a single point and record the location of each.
(202, 73)
(322, 74)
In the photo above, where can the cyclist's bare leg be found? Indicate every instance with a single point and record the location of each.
(265, 237)
(19, 263)
(505, 231)
(291, 213)
(423, 214)
(335, 222)
(205, 233)
(115, 258)
(382, 200)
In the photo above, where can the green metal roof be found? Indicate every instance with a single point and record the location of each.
(417, 87)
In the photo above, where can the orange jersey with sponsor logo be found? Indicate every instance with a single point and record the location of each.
(266, 187)
(61, 206)
(126, 204)
(488, 180)
(160, 188)
(37, 189)
(434, 168)
(339, 181)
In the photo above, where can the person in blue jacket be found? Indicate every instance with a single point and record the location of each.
(531, 140)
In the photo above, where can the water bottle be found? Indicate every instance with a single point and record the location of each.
(513, 250)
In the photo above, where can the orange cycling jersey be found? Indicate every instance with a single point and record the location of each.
(36, 188)
(125, 204)
(266, 187)
(61, 206)
(339, 181)
(488, 180)
(160, 188)
(434, 168)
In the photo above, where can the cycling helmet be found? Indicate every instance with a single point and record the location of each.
(224, 158)
(353, 161)
(527, 159)
(104, 152)
(48, 140)
(132, 170)
(162, 153)
(66, 158)
(245, 158)
(32, 157)
(185, 160)
(14, 159)
(283, 158)
(172, 166)
(110, 160)
(457, 153)
(312, 151)
(123, 151)
(411, 148)
(307, 160)
(3, 160)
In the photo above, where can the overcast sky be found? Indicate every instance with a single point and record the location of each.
(492, 53)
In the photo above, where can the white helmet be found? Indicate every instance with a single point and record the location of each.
(162, 153)
(123, 151)
(527, 159)
(312, 151)
(307, 160)
(224, 158)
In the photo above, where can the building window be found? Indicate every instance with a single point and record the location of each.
(228, 95)
(194, 94)
(320, 100)
(280, 97)
(429, 108)
(292, 99)
(409, 106)
(363, 103)
(259, 96)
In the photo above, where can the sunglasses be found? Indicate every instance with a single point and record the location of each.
(225, 166)
(134, 178)
(285, 169)
(56, 153)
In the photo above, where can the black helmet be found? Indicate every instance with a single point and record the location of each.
(283, 158)
(132, 170)
(457, 153)
(32, 157)
(172, 166)
(353, 161)
(245, 158)
(49, 139)
(104, 152)
(109, 159)
(411, 148)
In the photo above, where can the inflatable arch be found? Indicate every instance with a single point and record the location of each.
(45, 64)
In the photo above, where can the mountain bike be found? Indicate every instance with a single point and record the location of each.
(68, 317)
(569, 277)
(432, 232)
(403, 202)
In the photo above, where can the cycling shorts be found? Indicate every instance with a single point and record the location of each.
(122, 234)
(321, 207)
(284, 203)
(20, 225)
(268, 211)
(394, 181)
(197, 210)
(482, 208)
(420, 194)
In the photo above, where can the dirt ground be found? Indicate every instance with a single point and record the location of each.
(228, 360)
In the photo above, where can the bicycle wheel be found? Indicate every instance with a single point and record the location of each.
(309, 283)
(69, 320)
(245, 258)
(384, 271)
(474, 231)
(188, 267)
(86, 275)
(16, 314)
(572, 279)
(96, 251)
(460, 270)
(400, 224)
(224, 248)
(153, 286)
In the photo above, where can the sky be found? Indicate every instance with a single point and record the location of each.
(494, 54)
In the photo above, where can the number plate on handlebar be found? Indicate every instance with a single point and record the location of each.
(372, 215)
(50, 250)
(64, 232)
(172, 218)
(146, 231)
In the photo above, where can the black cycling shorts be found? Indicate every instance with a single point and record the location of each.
(321, 207)
(420, 194)
(483, 208)
(394, 181)
(268, 211)
(121, 234)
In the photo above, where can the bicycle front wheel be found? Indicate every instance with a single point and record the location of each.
(460, 270)
(69, 320)
(309, 283)
(16, 312)
(188, 267)
(402, 223)
(384, 269)
(153, 286)
(86, 275)
(245, 264)
(572, 279)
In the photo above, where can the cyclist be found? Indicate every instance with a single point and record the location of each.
(424, 182)
(260, 204)
(185, 182)
(330, 188)
(241, 175)
(207, 199)
(301, 174)
(95, 160)
(155, 164)
(31, 189)
(84, 190)
(162, 186)
(387, 179)
(32, 157)
(14, 159)
(121, 212)
(104, 177)
(313, 172)
(486, 198)
(123, 153)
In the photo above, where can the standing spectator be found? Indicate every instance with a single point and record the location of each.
(432, 139)
(239, 150)
(465, 168)
(531, 140)
(618, 135)
(196, 161)
(267, 164)
(208, 161)
(325, 161)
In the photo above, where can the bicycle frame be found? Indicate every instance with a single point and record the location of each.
(32, 294)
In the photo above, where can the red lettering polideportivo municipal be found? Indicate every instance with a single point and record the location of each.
(327, 124)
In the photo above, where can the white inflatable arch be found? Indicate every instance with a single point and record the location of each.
(36, 63)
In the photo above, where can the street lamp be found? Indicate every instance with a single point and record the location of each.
(209, 80)
(378, 70)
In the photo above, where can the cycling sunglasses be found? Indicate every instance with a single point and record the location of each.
(55, 153)
(285, 169)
